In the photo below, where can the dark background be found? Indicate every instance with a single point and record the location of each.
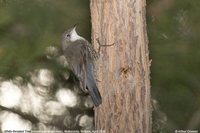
(28, 27)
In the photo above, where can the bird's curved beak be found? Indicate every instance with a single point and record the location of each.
(74, 28)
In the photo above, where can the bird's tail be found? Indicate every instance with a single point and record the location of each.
(95, 95)
(93, 90)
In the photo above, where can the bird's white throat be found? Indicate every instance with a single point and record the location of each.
(75, 36)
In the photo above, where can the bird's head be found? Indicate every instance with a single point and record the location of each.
(71, 35)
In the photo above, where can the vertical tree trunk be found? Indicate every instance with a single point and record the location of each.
(123, 69)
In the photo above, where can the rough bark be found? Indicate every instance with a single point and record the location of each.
(123, 69)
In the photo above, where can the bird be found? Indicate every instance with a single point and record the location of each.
(81, 57)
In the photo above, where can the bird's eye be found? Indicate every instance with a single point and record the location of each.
(68, 35)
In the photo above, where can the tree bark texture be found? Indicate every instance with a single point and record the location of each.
(123, 72)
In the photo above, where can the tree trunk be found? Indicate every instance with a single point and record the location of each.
(123, 69)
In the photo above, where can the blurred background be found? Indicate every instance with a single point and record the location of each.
(30, 36)
(36, 91)
(174, 36)
(28, 27)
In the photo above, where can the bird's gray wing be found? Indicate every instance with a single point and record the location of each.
(76, 56)
(92, 86)
(82, 64)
